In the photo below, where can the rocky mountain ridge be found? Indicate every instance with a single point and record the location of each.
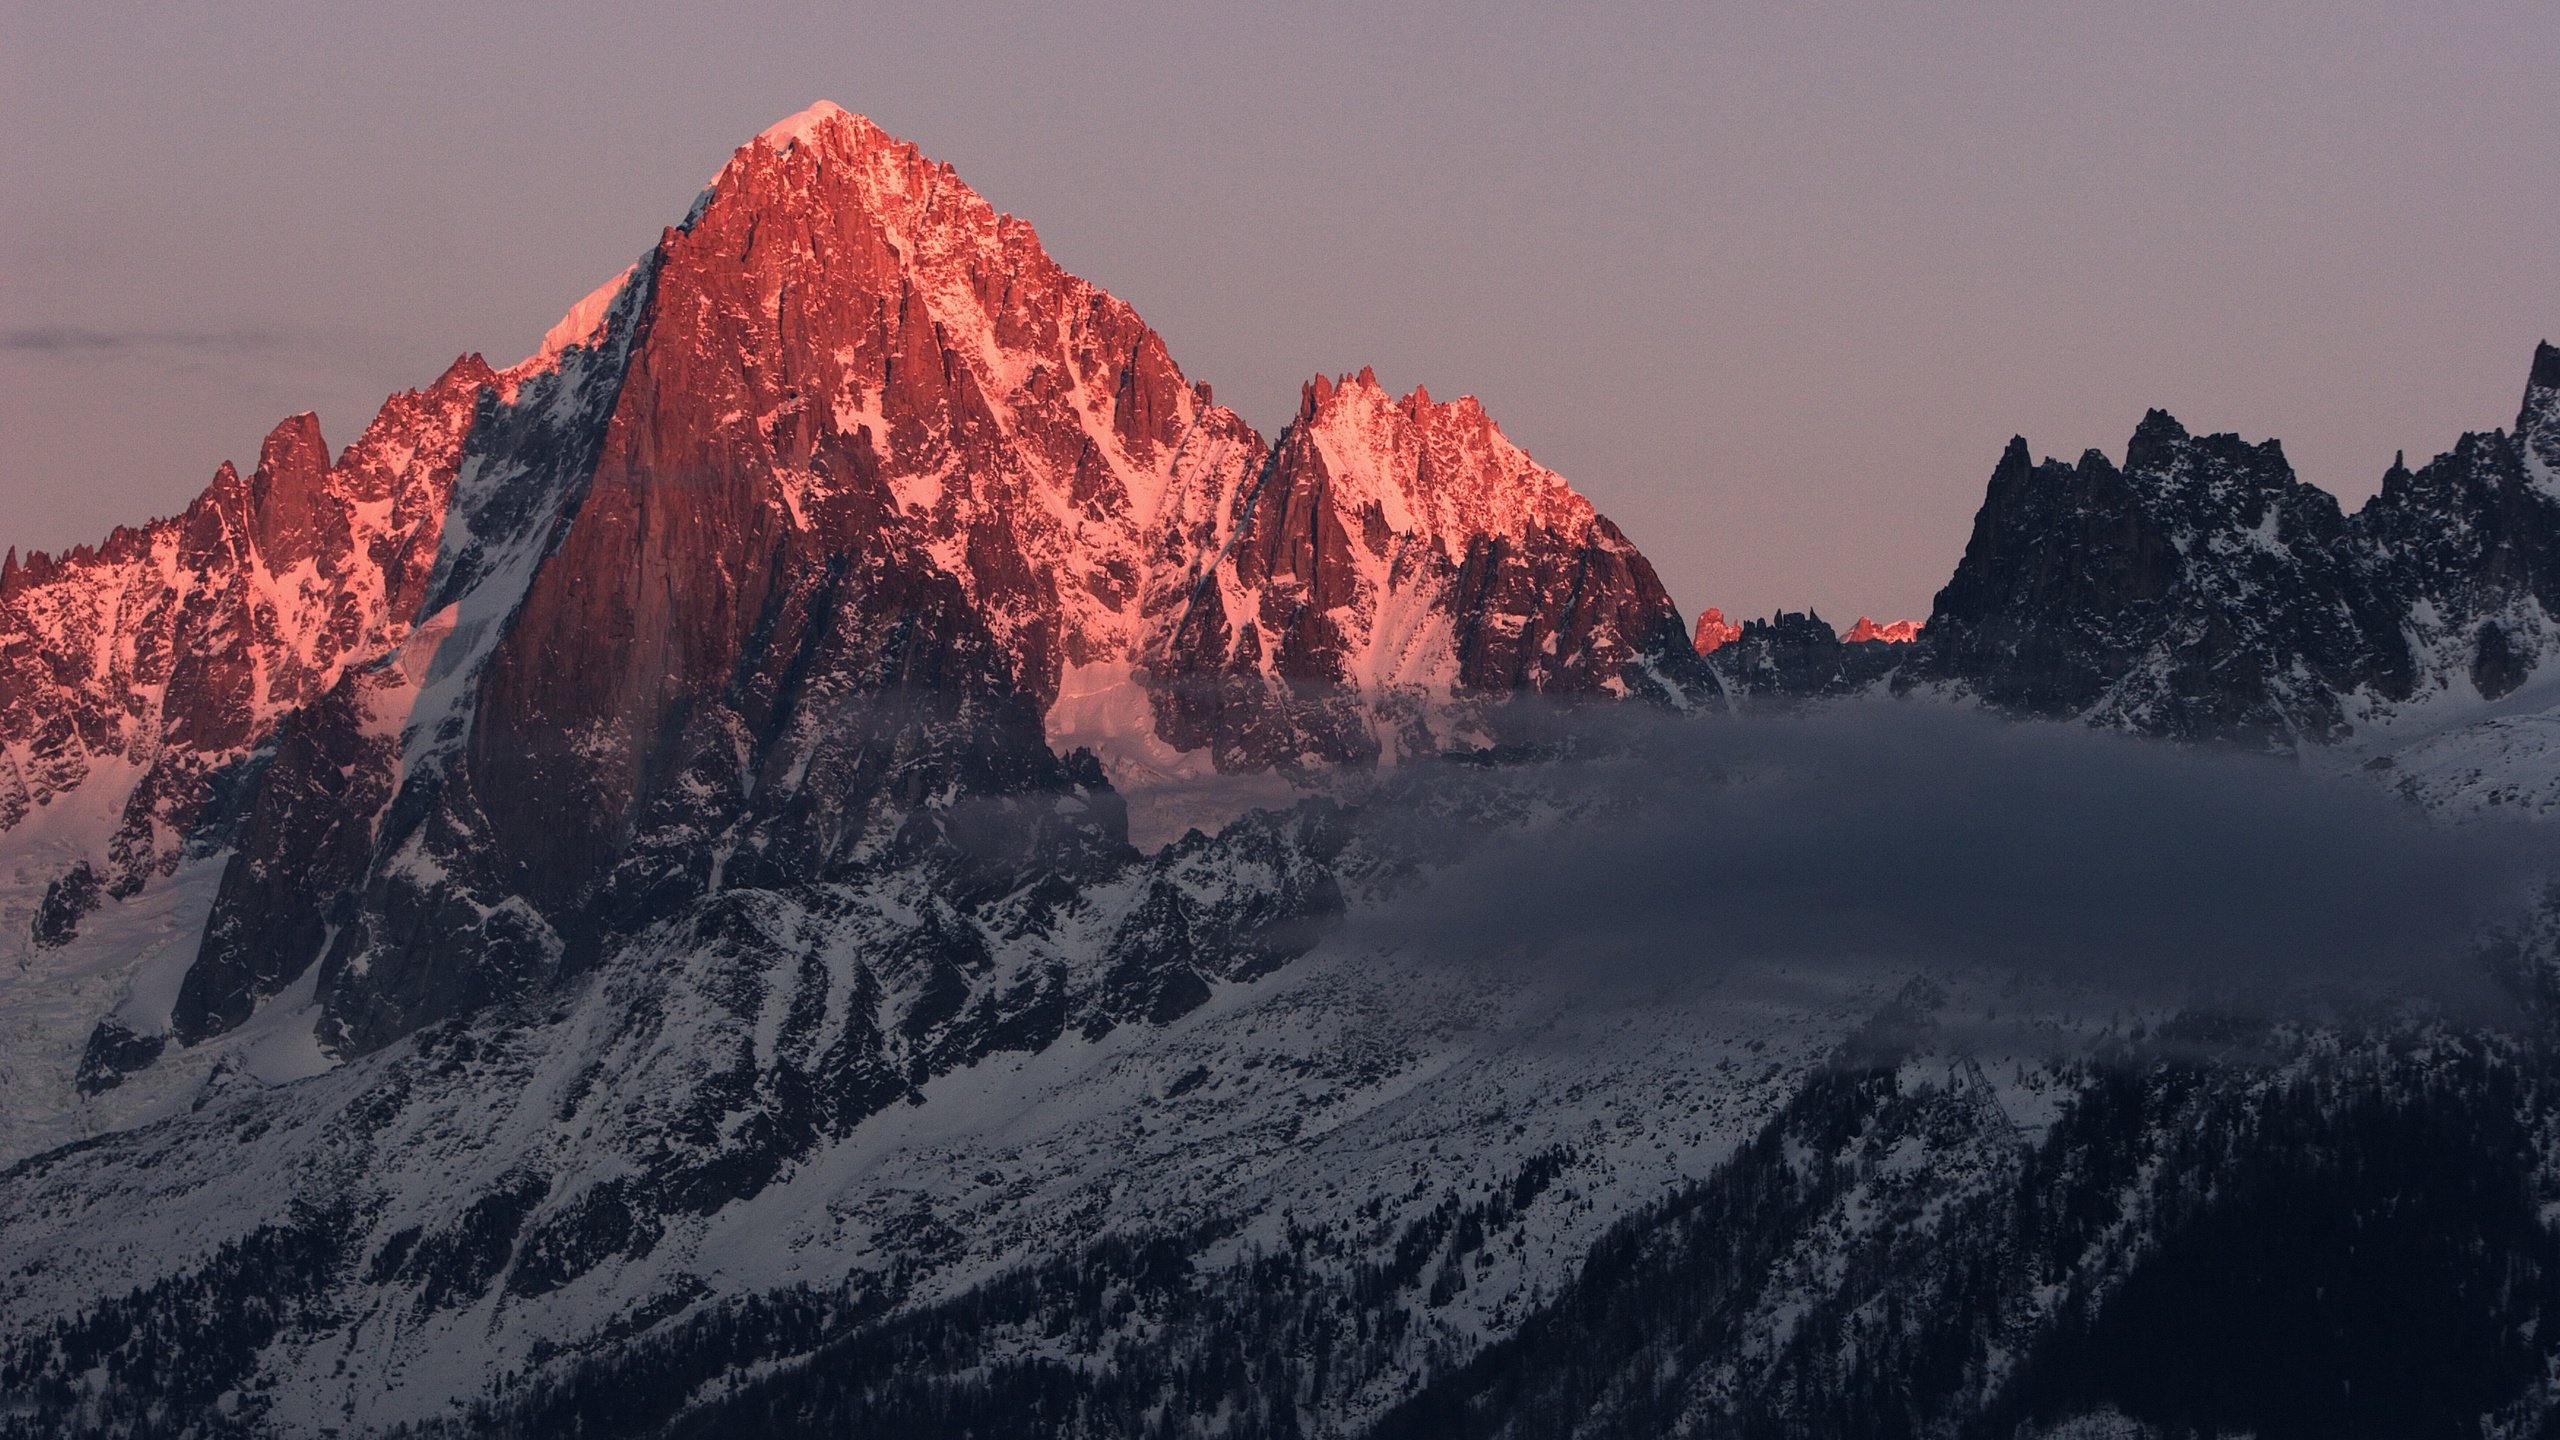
(1891, 632)
(2200, 591)
(135, 670)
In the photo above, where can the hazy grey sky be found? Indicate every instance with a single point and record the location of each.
(1772, 283)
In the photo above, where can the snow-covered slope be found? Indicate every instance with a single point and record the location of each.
(864, 1089)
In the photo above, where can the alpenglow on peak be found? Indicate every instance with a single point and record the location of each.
(791, 129)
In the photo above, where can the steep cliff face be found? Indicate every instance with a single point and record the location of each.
(847, 343)
(830, 542)
(2538, 423)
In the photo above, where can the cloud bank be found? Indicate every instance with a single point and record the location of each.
(1932, 839)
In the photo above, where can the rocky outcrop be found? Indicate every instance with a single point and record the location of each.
(2467, 548)
(1892, 632)
(1714, 631)
(305, 842)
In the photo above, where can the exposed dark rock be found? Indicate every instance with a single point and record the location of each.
(2201, 591)
(113, 1052)
(608, 1221)
(70, 898)
(304, 847)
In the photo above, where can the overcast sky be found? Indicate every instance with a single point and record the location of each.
(1772, 283)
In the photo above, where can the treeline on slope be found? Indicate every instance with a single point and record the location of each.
(2356, 1250)
(1135, 1336)
(2348, 1243)
(2206, 1241)
(169, 1358)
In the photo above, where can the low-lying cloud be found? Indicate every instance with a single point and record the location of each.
(1921, 837)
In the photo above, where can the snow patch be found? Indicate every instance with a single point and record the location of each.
(580, 326)
(790, 130)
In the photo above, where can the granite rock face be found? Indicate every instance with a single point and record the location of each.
(1713, 631)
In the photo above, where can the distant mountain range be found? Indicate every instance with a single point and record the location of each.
(610, 906)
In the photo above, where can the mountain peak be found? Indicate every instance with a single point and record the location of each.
(847, 436)
(1440, 467)
(1714, 631)
(824, 115)
(2538, 422)
(2158, 428)
(294, 445)
(788, 159)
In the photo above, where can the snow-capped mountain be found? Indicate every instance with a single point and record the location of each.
(844, 496)
(737, 620)
(611, 907)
